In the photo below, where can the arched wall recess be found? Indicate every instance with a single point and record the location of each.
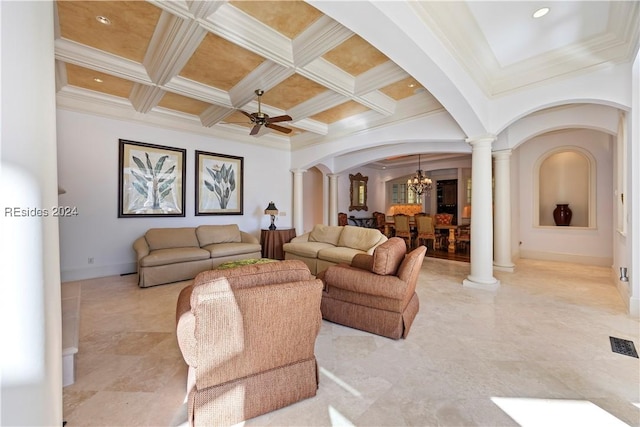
(565, 175)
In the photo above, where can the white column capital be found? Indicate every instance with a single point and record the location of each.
(298, 171)
(481, 141)
(502, 154)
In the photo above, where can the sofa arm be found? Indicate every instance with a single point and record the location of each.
(141, 247)
(301, 238)
(383, 239)
(248, 238)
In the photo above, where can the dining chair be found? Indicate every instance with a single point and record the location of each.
(342, 218)
(426, 231)
(463, 236)
(403, 228)
(379, 219)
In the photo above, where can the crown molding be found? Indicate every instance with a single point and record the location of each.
(95, 103)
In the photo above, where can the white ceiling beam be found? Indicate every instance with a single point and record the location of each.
(94, 59)
(144, 97)
(205, 93)
(321, 37)
(214, 114)
(265, 76)
(174, 41)
(249, 33)
(379, 77)
(317, 104)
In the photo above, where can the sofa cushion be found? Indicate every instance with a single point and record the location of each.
(169, 238)
(210, 234)
(339, 254)
(173, 255)
(218, 250)
(306, 249)
(359, 237)
(326, 234)
(388, 256)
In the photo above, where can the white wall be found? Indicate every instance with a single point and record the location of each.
(570, 244)
(88, 171)
(31, 357)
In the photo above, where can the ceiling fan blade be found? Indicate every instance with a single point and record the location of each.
(279, 119)
(255, 129)
(246, 114)
(278, 128)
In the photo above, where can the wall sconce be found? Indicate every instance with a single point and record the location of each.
(466, 212)
(273, 211)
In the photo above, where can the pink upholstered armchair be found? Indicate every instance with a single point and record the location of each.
(248, 336)
(376, 293)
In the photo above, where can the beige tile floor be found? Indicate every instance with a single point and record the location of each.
(534, 353)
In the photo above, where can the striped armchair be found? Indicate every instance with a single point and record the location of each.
(376, 293)
(248, 336)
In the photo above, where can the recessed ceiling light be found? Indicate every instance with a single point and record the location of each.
(103, 20)
(412, 85)
(98, 80)
(541, 12)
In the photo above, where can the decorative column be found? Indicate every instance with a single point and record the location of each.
(502, 215)
(481, 276)
(298, 199)
(333, 198)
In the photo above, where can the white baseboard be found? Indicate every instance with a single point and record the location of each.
(100, 271)
(572, 258)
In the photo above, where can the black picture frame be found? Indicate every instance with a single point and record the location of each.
(219, 184)
(151, 180)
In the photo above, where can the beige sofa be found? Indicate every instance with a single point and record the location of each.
(248, 335)
(168, 255)
(328, 245)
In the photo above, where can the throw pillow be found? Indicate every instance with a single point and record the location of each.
(388, 256)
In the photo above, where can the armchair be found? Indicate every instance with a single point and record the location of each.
(376, 293)
(248, 336)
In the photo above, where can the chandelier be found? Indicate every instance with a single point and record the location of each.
(420, 183)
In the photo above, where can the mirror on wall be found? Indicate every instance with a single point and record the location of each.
(358, 192)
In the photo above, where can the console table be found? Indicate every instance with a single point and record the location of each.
(272, 241)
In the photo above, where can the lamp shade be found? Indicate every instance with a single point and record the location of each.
(271, 209)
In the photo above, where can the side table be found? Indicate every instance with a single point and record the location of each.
(272, 241)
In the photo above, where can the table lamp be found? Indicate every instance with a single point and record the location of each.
(273, 211)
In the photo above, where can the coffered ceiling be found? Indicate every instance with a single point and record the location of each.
(197, 63)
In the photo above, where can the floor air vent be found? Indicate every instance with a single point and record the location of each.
(626, 347)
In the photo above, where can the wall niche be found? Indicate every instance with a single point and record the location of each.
(566, 176)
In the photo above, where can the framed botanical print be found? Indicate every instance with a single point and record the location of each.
(151, 180)
(219, 184)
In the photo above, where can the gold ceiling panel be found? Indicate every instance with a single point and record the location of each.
(289, 18)
(403, 89)
(128, 35)
(292, 91)
(339, 112)
(85, 78)
(355, 56)
(220, 63)
(177, 102)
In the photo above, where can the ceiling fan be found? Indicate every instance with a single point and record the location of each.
(262, 119)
